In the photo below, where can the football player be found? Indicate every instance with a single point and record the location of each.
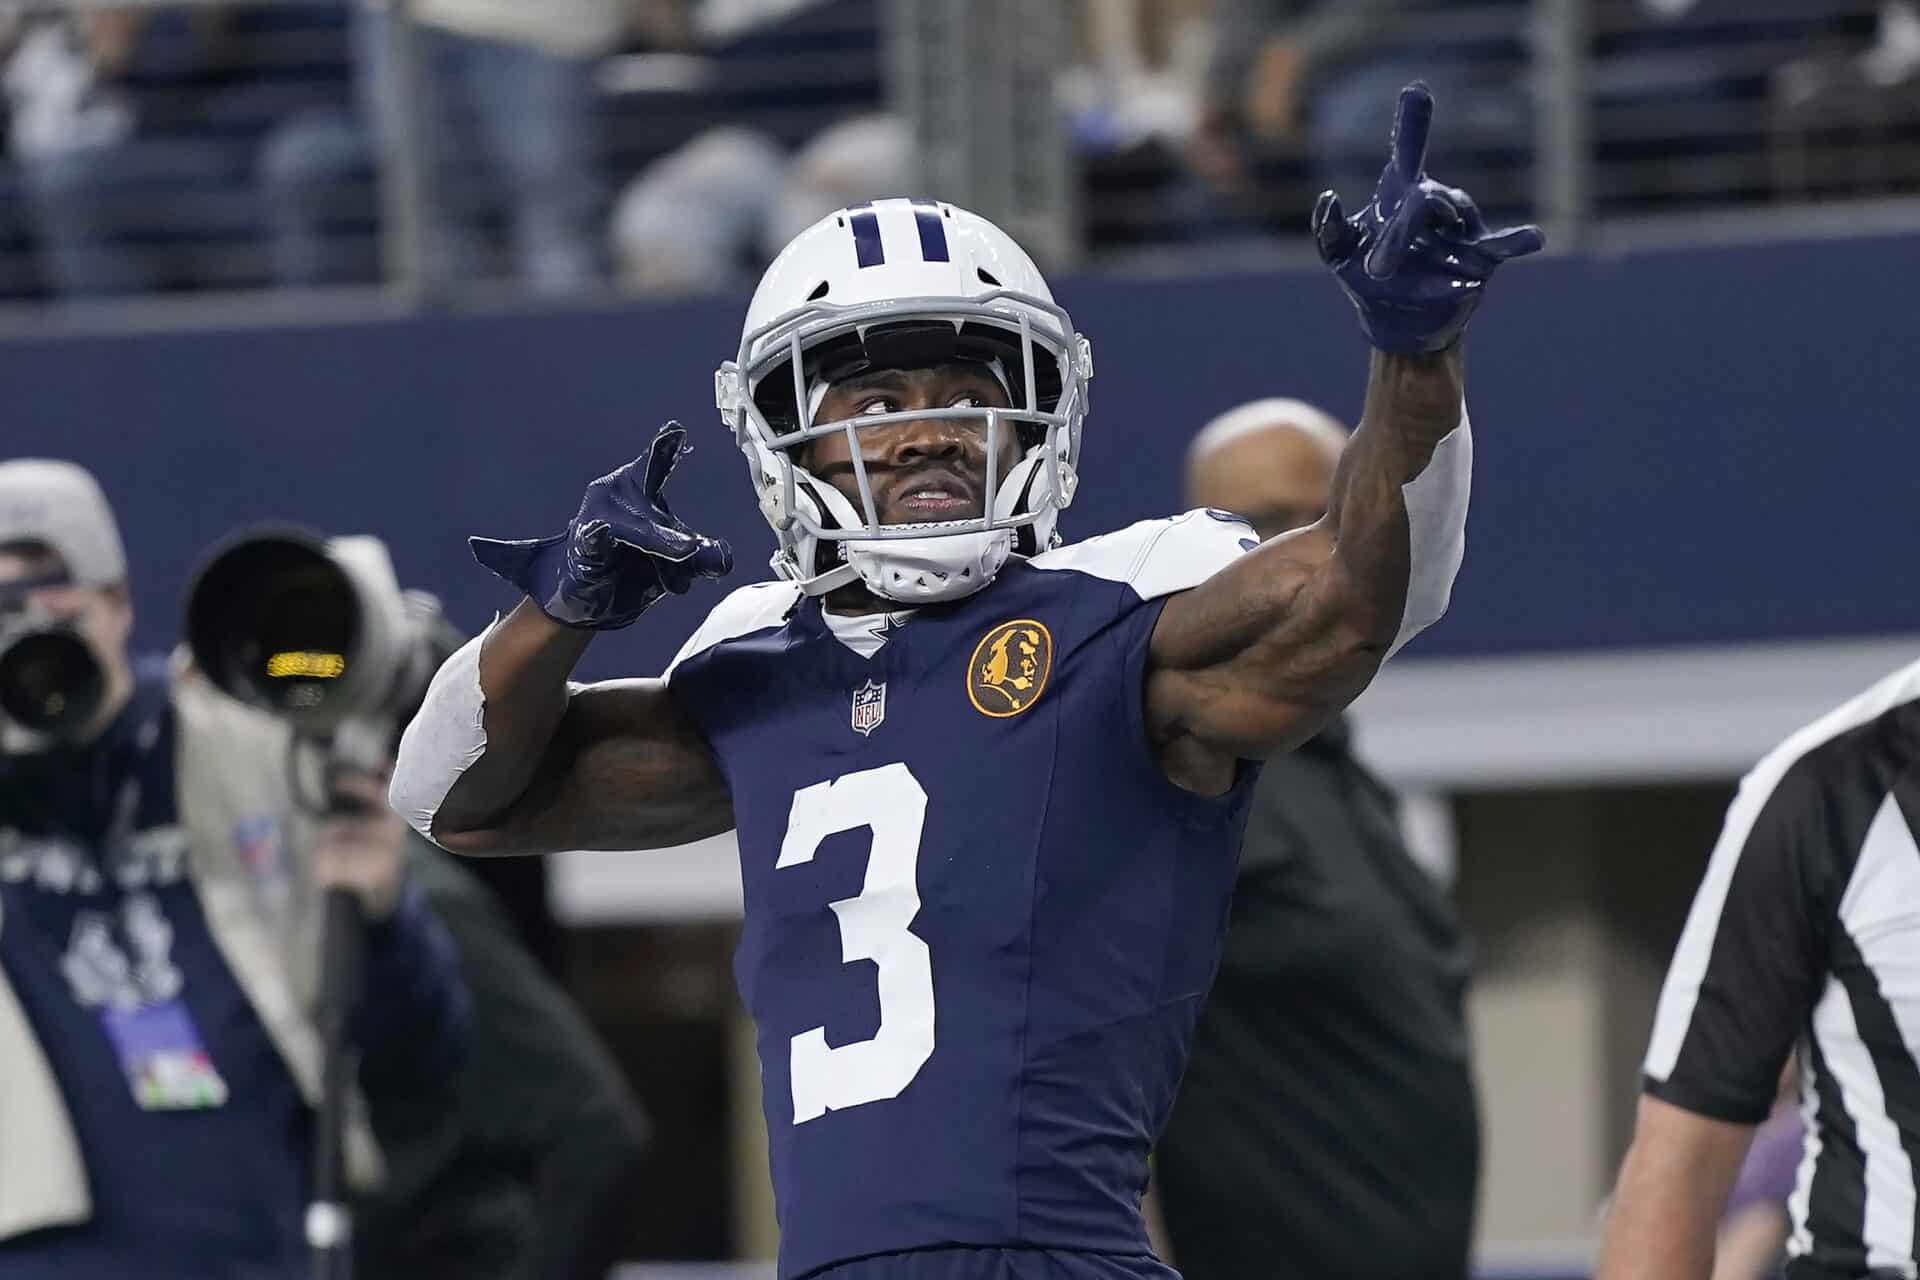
(988, 788)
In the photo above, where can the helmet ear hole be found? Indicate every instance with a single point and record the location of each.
(819, 291)
(986, 277)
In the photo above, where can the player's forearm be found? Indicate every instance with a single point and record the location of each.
(1413, 403)
(488, 720)
(524, 668)
(1398, 507)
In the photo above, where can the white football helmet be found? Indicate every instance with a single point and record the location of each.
(904, 284)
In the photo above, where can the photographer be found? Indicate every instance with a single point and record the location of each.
(159, 903)
(517, 1164)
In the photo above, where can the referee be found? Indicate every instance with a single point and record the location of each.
(1805, 932)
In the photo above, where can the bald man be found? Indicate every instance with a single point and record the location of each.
(1328, 1124)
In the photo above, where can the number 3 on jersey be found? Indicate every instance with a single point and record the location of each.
(873, 926)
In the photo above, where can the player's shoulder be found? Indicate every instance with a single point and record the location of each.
(1157, 557)
(756, 607)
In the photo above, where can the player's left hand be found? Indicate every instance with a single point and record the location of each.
(1415, 260)
(621, 552)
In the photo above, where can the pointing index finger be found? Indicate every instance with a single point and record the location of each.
(1412, 122)
(662, 455)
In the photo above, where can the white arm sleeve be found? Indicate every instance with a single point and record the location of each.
(443, 741)
(1436, 530)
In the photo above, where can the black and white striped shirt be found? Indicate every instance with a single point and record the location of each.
(1807, 929)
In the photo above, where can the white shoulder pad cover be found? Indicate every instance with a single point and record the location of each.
(1159, 557)
(444, 738)
(747, 609)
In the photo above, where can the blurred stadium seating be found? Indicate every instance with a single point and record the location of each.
(1587, 113)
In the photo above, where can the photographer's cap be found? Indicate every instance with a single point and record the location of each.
(60, 503)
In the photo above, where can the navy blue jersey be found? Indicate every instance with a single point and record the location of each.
(980, 921)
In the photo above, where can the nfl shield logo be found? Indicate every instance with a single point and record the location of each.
(869, 707)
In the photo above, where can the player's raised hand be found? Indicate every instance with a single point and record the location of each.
(621, 552)
(1415, 260)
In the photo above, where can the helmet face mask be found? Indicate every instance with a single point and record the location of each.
(768, 393)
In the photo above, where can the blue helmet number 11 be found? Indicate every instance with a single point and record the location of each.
(875, 925)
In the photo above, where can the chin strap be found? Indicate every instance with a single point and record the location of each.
(820, 583)
(1026, 539)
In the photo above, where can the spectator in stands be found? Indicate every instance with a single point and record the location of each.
(714, 212)
(1845, 112)
(695, 218)
(1130, 98)
(506, 94)
(134, 142)
(1328, 1124)
(1136, 71)
(858, 159)
(1312, 76)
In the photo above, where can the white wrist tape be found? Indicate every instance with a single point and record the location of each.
(443, 741)
(1436, 530)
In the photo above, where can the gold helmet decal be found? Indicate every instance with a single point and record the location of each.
(1009, 668)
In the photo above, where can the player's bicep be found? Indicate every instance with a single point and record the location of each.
(626, 769)
(1751, 959)
(1261, 655)
(1230, 611)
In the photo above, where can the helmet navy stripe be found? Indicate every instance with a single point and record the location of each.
(866, 238)
(933, 232)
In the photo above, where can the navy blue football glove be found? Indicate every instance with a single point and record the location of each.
(1415, 260)
(622, 552)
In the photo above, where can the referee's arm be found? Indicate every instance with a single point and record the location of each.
(1740, 988)
(1673, 1186)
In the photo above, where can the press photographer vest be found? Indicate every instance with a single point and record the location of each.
(230, 778)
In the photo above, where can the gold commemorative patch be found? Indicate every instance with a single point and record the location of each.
(1009, 668)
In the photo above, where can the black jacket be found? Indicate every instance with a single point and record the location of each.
(1327, 1125)
(514, 1169)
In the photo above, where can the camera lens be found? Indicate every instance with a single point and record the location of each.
(276, 621)
(50, 682)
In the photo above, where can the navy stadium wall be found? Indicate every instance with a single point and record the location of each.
(1674, 448)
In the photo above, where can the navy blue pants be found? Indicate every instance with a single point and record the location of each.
(960, 1263)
